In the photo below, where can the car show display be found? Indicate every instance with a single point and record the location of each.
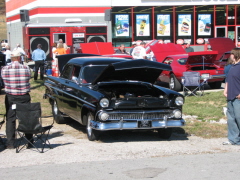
(109, 93)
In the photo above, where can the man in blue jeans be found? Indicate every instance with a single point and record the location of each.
(39, 57)
(232, 92)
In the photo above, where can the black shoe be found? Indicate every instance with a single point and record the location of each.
(29, 146)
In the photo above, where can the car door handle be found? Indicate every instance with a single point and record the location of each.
(68, 89)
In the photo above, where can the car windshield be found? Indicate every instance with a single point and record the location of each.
(90, 73)
(182, 61)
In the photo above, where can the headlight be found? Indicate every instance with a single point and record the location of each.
(179, 101)
(104, 102)
(177, 113)
(103, 116)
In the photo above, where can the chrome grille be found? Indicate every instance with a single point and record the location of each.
(137, 116)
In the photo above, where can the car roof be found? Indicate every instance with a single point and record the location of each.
(96, 60)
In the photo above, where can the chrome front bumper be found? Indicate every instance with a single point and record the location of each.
(217, 76)
(121, 125)
(122, 120)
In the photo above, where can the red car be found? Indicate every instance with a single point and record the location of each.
(223, 46)
(181, 61)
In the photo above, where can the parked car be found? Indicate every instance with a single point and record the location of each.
(202, 61)
(107, 93)
(224, 47)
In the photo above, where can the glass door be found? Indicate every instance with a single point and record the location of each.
(221, 31)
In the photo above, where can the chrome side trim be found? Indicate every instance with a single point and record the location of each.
(60, 90)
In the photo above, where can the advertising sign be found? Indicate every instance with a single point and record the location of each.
(184, 24)
(204, 24)
(122, 24)
(163, 24)
(142, 25)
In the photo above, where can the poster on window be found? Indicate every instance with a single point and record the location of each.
(184, 24)
(163, 25)
(204, 24)
(142, 25)
(122, 24)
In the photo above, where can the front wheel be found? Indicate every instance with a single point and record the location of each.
(165, 133)
(57, 116)
(174, 84)
(92, 134)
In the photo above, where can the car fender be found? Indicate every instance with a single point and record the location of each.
(85, 109)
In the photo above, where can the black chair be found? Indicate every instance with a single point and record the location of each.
(192, 84)
(30, 122)
(1, 123)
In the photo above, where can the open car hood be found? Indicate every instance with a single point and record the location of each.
(99, 48)
(163, 50)
(221, 45)
(201, 57)
(136, 70)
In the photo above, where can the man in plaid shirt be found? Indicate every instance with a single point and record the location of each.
(17, 87)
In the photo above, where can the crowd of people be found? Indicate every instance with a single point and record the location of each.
(16, 77)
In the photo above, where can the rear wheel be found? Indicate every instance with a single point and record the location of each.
(215, 85)
(165, 133)
(174, 84)
(57, 116)
(92, 134)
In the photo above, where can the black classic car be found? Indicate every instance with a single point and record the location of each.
(107, 93)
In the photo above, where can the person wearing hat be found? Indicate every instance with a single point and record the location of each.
(16, 78)
(133, 46)
(39, 57)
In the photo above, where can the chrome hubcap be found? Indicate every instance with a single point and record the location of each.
(89, 128)
(55, 108)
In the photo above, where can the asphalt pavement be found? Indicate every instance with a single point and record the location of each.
(188, 167)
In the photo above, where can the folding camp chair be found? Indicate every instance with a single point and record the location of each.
(1, 123)
(30, 122)
(192, 84)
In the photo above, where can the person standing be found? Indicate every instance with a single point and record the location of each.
(23, 54)
(60, 50)
(139, 52)
(17, 87)
(54, 47)
(188, 48)
(8, 55)
(227, 66)
(121, 50)
(39, 57)
(133, 46)
(232, 92)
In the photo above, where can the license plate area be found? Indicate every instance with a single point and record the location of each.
(144, 124)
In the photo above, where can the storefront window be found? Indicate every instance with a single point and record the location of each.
(143, 24)
(238, 14)
(220, 15)
(204, 24)
(231, 15)
(121, 26)
(163, 23)
(184, 22)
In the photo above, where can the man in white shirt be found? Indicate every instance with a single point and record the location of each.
(8, 55)
(18, 48)
(139, 52)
